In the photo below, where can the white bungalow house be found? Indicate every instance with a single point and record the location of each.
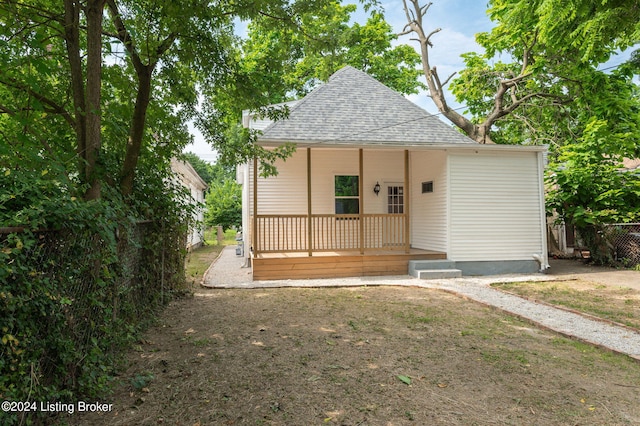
(193, 183)
(378, 186)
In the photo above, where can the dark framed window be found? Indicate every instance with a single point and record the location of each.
(347, 190)
(427, 187)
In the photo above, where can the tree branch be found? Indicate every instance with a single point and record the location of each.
(43, 141)
(53, 106)
(415, 25)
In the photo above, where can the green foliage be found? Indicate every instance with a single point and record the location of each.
(548, 52)
(78, 282)
(588, 185)
(589, 188)
(404, 379)
(141, 381)
(585, 30)
(79, 278)
(224, 204)
(283, 60)
(210, 172)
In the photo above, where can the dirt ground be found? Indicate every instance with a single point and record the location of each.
(577, 269)
(362, 356)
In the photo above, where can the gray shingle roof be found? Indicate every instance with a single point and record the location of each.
(354, 108)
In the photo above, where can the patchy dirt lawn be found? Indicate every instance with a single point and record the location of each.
(362, 356)
(619, 304)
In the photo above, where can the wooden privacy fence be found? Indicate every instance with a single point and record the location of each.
(329, 232)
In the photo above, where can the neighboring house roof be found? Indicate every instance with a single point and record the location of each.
(631, 164)
(354, 108)
(256, 121)
(187, 174)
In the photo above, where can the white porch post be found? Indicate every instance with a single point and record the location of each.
(361, 199)
(407, 205)
(309, 218)
(254, 231)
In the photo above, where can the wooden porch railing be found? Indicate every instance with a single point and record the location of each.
(330, 232)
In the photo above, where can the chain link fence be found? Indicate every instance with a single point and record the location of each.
(72, 298)
(623, 241)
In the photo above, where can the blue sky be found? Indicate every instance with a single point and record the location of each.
(460, 20)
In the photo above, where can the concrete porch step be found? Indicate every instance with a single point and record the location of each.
(431, 264)
(433, 269)
(434, 274)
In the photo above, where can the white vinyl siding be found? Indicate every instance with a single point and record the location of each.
(285, 193)
(495, 206)
(429, 211)
(385, 168)
(379, 166)
(325, 166)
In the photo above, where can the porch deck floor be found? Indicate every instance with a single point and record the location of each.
(412, 252)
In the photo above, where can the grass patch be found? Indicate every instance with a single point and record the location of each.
(396, 355)
(619, 304)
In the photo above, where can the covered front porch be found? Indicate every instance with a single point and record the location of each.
(351, 221)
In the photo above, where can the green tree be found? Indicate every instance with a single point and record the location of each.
(120, 115)
(281, 61)
(549, 90)
(290, 63)
(552, 47)
(204, 169)
(224, 204)
(223, 200)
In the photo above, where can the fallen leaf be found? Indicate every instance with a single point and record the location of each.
(442, 385)
(404, 379)
(190, 331)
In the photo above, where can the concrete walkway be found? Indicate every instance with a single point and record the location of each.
(227, 272)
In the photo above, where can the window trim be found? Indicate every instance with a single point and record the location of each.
(346, 197)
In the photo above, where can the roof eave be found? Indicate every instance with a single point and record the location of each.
(415, 146)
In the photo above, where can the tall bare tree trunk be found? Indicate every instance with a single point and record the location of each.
(94, 12)
(136, 134)
(144, 73)
(506, 99)
(72, 42)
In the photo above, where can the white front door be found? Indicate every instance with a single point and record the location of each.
(393, 230)
(395, 199)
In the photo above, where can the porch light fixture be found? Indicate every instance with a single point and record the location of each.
(376, 188)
